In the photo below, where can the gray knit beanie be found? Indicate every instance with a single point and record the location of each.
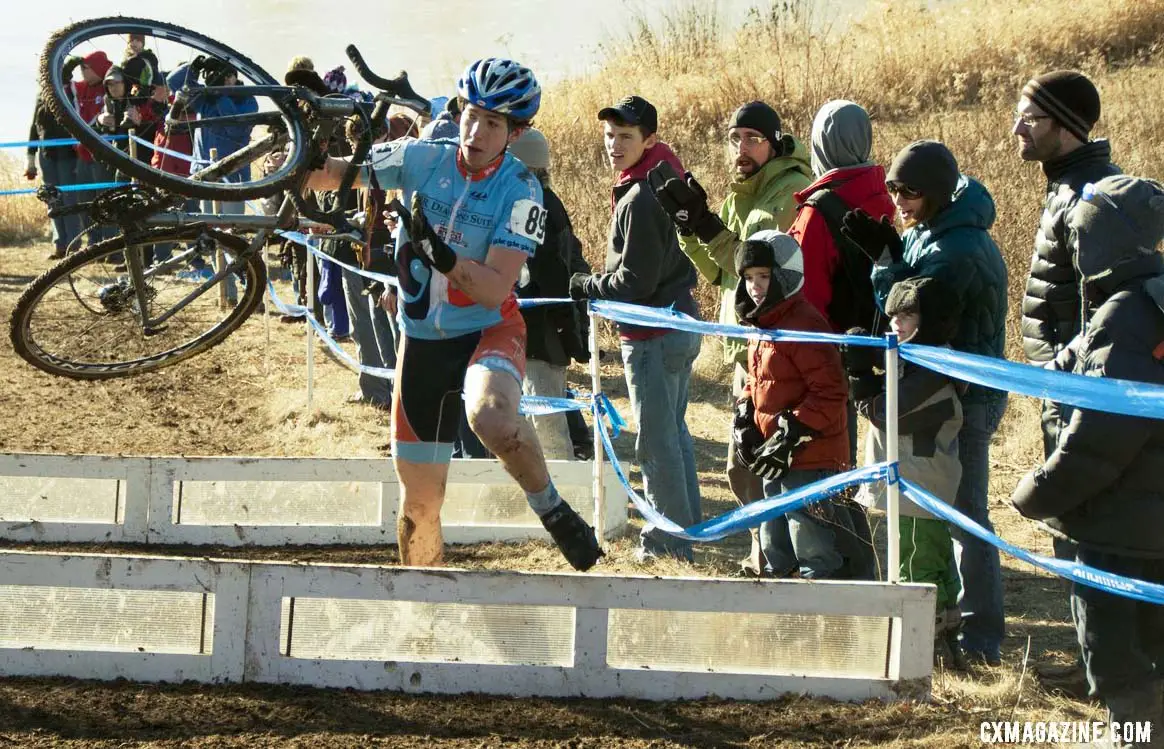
(1118, 220)
(926, 166)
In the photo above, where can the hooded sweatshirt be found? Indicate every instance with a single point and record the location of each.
(806, 378)
(644, 264)
(842, 139)
(955, 246)
(764, 200)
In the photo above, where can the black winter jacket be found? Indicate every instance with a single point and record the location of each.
(45, 127)
(555, 333)
(644, 264)
(1052, 311)
(1103, 486)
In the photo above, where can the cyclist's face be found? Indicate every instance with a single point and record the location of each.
(625, 144)
(484, 135)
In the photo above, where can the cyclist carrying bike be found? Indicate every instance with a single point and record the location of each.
(476, 216)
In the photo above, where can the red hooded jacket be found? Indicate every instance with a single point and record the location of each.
(860, 187)
(807, 378)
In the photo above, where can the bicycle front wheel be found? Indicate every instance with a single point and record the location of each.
(82, 318)
(172, 47)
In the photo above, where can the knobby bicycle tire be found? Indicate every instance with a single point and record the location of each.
(56, 98)
(253, 275)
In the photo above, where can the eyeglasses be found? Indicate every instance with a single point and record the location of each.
(902, 189)
(1029, 121)
(735, 139)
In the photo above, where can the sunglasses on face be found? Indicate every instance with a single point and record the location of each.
(735, 139)
(902, 189)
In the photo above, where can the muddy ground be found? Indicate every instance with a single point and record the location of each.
(247, 397)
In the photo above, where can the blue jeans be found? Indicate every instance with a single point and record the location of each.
(801, 539)
(983, 620)
(657, 372)
(228, 207)
(91, 172)
(366, 316)
(58, 166)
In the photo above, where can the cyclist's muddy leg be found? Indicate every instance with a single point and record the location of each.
(418, 527)
(491, 400)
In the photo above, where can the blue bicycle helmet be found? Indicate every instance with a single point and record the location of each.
(501, 86)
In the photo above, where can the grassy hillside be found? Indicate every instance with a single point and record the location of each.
(951, 71)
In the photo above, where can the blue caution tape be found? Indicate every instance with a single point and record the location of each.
(150, 145)
(745, 517)
(1097, 393)
(605, 407)
(540, 405)
(310, 243)
(666, 317)
(67, 188)
(52, 142)
(1080, 573)
(293, 310)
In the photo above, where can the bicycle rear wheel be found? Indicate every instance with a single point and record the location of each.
(174, 46)
(82, 318)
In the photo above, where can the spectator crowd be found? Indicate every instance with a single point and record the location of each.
(812, 236)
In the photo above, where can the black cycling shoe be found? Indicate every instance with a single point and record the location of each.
(574, 537)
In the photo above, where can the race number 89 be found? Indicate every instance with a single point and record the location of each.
(528, 219)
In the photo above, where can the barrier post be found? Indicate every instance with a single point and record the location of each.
(893, 487)
(307, 318)
(133, 151)
(599, 487)
(219, 256)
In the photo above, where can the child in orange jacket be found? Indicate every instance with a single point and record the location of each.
(791, 425)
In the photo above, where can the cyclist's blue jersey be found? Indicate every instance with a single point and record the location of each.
(500, 206)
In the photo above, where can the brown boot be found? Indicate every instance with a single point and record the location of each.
(1067, 680)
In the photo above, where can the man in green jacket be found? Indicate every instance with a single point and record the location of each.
(770, 168)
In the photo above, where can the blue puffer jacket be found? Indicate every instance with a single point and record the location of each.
(227, 138)
(955, 246)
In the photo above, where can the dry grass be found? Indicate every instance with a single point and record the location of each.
(22, 217)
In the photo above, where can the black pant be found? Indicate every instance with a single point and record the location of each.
(1122, 638)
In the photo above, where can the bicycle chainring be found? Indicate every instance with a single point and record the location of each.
(130, 204)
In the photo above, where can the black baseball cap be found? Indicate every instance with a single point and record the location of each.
(633, 110)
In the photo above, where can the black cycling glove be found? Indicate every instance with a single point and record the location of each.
(427, 243)
(774, 457)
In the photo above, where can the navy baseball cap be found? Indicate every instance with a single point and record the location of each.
(633, 110)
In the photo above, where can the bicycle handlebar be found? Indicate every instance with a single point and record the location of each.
(398, 87)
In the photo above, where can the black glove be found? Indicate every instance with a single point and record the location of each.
(873, 237)
(774, 458)
(194, 69)
(578, 286)
(685, 201)
(865, 386)
(428, 245)
(71, 63)
(746, 436)
(860, 360)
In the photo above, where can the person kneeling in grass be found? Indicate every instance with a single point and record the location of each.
(790, 426)
(922, 310)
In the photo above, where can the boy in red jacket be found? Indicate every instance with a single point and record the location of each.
(791, 428)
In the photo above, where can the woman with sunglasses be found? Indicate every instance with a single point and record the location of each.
(947, 218)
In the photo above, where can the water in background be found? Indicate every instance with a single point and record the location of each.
(433, 40)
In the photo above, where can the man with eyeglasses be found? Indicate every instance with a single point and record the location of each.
(1052, 122)
(770, 167)
(1054, 118)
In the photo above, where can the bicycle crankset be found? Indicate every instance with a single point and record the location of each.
(130, 204)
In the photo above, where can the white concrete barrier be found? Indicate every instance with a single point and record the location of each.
(265, 501)
(456, 631)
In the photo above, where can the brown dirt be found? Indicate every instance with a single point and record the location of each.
(247, 397)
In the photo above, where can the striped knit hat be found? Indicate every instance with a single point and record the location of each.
(1069, 98)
